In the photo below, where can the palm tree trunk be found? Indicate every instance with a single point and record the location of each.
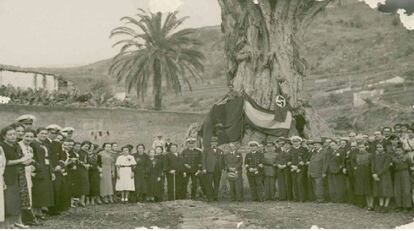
(157, 86)
(263, 45)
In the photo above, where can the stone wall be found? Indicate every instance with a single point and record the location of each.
(102, 125)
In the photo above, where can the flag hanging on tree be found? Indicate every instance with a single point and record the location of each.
(227, 119)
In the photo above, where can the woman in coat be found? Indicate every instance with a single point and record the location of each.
(82, 173)
(402, 186)
(108, 172)
(95, 171)
(27, 151)
(139, 172)
(42, 190)
(16, 195)
(160, 155)
(155, 174)
(361, 164)
(382, 186)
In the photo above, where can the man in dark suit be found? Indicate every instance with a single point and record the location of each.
(283, 162)
(62, 182)
(54, 149)
(315, 171)
(174, 165)
(233, 164)
(213, 164)
(334, 169)
(299, 158)
(254, 168)
(192, 164)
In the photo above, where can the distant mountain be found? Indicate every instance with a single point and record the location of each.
(348, 46)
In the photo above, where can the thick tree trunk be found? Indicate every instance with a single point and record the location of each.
(157, 86)
(263, 43)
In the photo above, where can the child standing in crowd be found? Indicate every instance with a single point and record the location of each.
(125, 176)
(383, 188)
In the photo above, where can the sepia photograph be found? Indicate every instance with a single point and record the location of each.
(206, 114)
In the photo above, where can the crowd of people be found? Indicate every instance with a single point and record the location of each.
(46, 172)
(75, 98)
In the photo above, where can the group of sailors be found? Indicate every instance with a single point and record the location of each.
(46, 172)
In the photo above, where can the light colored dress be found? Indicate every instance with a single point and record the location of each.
(2, 167)
(106, 187)
(125, 181)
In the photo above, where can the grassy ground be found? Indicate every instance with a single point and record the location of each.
(189, 214)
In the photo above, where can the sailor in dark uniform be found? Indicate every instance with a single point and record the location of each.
(233, 164)
(254, 168)
(192, 164)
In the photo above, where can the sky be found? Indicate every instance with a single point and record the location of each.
(63, 33)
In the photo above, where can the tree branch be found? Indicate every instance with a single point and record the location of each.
(309, 10)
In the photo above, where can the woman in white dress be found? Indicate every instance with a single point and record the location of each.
(125, 177)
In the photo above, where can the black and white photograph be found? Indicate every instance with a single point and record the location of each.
(206, 114)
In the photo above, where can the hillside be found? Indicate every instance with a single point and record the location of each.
(347, 46)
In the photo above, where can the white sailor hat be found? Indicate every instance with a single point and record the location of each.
(53, 127)
(68, 129)
(191, 139)
(26, 118)
(251, 143)
(295, 138)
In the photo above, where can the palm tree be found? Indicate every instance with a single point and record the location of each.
(153, 50)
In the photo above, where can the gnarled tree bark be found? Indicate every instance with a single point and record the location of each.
(263, 44)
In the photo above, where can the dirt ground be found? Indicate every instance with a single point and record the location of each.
(117, 216)
(196, 214)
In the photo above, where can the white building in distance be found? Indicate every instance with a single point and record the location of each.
(29, 79)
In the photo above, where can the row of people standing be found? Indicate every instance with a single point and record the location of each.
(336, 170)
